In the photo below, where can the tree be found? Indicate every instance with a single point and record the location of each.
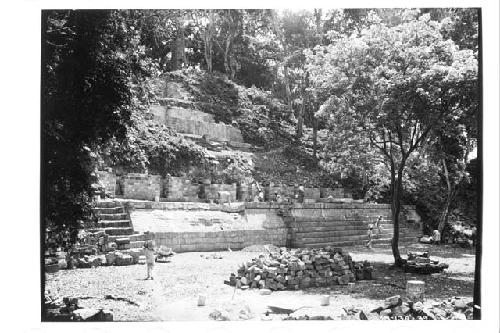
(178, 45)
(391, 88)
(84, 102)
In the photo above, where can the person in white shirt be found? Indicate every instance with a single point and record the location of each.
(436, 237)
(149, 252)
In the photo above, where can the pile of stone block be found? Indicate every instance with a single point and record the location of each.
(68, 309)
(421, 263)
(363, 270)
(92, 241)
(295, 269)
(116, 258)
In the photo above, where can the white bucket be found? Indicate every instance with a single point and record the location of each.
(325, 300)
(201, 300)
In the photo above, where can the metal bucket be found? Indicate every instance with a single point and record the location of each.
(201, 300)
(415, 290)
(325, 300)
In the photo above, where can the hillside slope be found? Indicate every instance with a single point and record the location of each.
(269, 152)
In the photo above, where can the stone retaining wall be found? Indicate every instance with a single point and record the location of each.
(273, 228)
(178, 187)
(219, 240)
(148, 187)
(195, 122)
(141, 186)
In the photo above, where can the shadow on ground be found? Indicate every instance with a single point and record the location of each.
(388, 280)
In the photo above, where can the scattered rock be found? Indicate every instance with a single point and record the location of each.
(265, 292)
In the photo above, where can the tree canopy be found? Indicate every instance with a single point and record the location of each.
(393, 88)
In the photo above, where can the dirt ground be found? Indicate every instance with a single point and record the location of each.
(174, 293)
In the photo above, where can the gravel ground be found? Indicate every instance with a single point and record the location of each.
(174, 293)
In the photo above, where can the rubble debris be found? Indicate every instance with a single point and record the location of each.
(453, 309)
(297, 269)
(212, 256)
(232, 312)
(278, 310)
(363, 270)
(421, 263)
(68, 309)
(353, 313)
(261, 248)
(115, 298)
(265, 292)
(164, 254)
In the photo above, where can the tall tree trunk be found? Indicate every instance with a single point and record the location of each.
(319, 32)
(178, 53)
(208, 40)
(279, 33)
(300, 116)
(315, 136)
(479, 228)
(443, 220)
(227, 67)
(397, 189)
(288, 92)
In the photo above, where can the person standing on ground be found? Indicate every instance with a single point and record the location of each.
(150, 258)
(370, 236)
(436, 237)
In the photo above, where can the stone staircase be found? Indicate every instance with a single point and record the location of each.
(115, 221)
(331, 231)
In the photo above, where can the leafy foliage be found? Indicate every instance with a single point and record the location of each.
(389, 88)
(85, 101)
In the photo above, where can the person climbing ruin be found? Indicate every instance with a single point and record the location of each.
(378, 225)
(370, 236)
(150, 258)
(278, 198)
(261, 196)
(302, 192)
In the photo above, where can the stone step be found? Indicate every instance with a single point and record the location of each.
(313, 240)
(328, 224)
(115, 210)
(348, 236)
(133, 237)
(337, 233)
(350, 231)
(335, 227)
(117, 216)
(119, 231)
(107, 204)
(320, 219)
(350, 243)
(114, 223)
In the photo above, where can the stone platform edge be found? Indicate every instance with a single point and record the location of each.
(240, 206)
